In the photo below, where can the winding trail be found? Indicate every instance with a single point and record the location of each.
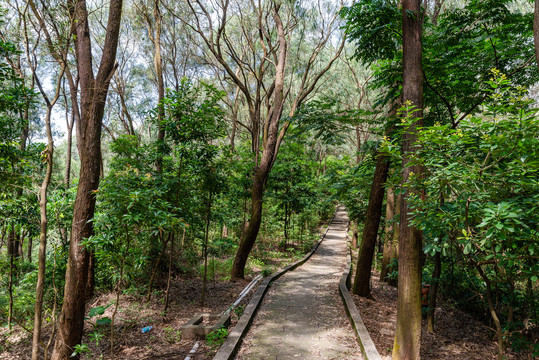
(302, 316)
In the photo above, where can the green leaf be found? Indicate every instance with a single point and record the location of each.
(103, 321)
(98, 310)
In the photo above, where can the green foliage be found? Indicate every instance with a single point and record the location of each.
(351, 184)
(486, 171)
(458, 52)
(266, 272)
(216, 338)
(96, 337)
(98, 311)
(80, 349)
(14, 98)
(238, 310)
(193, 113)
(172, 335)
(375, 27)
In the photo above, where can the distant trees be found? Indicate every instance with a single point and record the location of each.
(255, 45)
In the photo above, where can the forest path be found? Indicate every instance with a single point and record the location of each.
(302, 316)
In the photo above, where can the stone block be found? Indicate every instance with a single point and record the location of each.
(201, 325)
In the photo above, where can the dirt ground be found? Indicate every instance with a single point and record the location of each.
(162, 342)
(457, 336)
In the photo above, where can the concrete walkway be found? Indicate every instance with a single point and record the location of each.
(302, 316)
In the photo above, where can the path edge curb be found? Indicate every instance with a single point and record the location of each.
(363, 338)
(233, 342)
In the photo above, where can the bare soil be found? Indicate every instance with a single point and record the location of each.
(457, 335)
(164, 341)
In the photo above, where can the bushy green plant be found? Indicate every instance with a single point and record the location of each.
(481, 203)
(238, 310)
(216, 338)
(172, 335)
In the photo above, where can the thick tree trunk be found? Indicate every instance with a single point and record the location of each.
(370, 230)
(249, 237)
(408, 331)
(389, 227)
(21, 243)
(93, 98)
(71, 321)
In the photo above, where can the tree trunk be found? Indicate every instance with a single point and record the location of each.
(250, 234)
(93, 93)
(29, 249)
(355, 234)
(492, 309)
(271, 147)
(286, 225)
(370, 230)
(433, 291)
(90, 284)
(358, 145)
(154, 270)
(20, 246)
(10, 287)
(394, 256)
(42, 257)
(234, 127)
(13, 243)
(169, 272)
(388, 241)
(206, 238)
(67, 175)
(408, 331)
(158, 67)
(536, 31)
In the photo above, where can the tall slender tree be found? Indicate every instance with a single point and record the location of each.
(536, 31)
(48, 155)
(93, 94)
(408, 331)
(255, 57)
